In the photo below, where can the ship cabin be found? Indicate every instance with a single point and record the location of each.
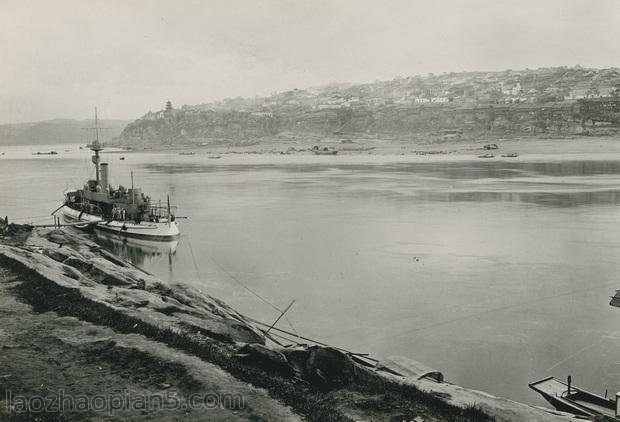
(120, 204)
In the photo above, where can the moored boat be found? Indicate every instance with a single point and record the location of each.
(565, 397)
(121, 211)
(324, 151)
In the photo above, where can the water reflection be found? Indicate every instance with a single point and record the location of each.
(561, 184)
(461, 170)
(549, 199)
(503, 170)
(138, 251)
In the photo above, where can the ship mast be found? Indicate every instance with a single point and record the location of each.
(96, 146)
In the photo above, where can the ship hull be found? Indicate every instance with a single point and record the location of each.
(160, 231)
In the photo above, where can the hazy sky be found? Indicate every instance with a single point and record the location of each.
(61, 58)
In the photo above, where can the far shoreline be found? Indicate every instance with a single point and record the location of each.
(396, 147)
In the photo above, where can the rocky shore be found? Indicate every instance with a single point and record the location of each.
(78, 319)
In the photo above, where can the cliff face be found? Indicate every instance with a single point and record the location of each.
(557, 100)
(192, 127)
(185, 127)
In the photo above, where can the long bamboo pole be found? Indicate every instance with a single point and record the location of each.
(310, 340)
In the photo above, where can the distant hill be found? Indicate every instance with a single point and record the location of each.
(57, 131)
(561, 100)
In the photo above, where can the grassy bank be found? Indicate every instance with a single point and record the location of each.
(316, 404)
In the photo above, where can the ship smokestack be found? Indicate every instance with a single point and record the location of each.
(104, 176)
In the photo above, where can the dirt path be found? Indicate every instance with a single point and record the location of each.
(45, 353)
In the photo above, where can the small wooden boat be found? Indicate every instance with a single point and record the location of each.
(486, 156)
(187, 153)
(408, 368)
(214, 157)
(567, 398)
(511, 155)
(324, 151)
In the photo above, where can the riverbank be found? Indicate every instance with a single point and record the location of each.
(292, 144)
(292, 147)
(80, 319)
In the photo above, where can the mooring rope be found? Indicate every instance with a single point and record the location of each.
(497, 309)
(577, 353)
(36, 217)
(236, 280)
(189, 243)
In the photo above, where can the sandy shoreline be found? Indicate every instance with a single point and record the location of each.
(395, 149)
(297, 149)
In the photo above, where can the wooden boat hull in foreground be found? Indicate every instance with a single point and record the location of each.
(576, 401)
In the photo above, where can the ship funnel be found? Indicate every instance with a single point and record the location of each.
(104, 176)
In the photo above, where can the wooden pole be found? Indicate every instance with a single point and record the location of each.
(281, 315)
(169, 222)
(308, 339)
(54, 212)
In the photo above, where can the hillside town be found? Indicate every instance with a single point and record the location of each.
(531, 101)
(468, 88)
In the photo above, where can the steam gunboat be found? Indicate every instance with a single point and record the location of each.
(122, 211)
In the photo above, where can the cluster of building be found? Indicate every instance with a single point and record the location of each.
(539, 86)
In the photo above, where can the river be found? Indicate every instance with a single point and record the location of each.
(497, 272)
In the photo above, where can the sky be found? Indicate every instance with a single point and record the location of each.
(61, 58)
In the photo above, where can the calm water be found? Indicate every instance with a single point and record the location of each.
(496, 272)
